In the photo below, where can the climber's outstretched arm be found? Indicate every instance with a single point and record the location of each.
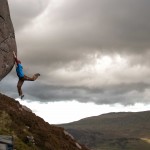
(15, 57)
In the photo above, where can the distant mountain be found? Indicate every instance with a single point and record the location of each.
(31, 132)
(113, 131)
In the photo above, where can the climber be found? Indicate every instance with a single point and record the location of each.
(22, 77)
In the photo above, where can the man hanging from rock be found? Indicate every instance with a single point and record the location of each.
(22, 77)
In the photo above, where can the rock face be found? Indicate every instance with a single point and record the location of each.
(7, 40)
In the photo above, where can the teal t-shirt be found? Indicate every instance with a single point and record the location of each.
(19, 71)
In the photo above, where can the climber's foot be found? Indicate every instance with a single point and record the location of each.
(22, 96)
(37, 74)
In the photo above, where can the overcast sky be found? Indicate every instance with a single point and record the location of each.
(90, 51)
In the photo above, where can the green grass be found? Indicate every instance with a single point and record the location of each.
(6, 129)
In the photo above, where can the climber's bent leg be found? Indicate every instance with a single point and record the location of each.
(35, 76)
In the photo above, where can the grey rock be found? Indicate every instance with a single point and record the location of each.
(26, 108)
(77, 144)
(7, 40)
(66, 133)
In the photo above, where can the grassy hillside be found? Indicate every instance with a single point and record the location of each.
(31, 132)
(113, 131)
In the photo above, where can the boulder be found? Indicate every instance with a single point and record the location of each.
(7, 40)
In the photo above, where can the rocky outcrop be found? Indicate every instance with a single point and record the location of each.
(31, 132)
(7, 40)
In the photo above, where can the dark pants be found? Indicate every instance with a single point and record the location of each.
(21, 81)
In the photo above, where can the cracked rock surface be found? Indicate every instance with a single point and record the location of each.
(7, 40)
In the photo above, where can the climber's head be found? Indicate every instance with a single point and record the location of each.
(19, 62)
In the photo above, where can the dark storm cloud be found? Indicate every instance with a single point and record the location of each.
(106, 24)
(63, 43)
(126, 94)
(78, 28)
(22, 12)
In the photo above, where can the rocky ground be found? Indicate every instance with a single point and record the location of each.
(30, 131)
